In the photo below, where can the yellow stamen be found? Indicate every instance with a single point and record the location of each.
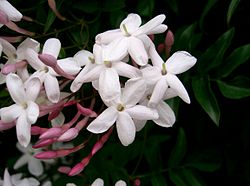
(120, 107)
(125, 30)
(164, 70)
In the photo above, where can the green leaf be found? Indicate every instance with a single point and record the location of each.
(158, 180)
(207, 8)
(183, 41)
(111, 5)
(236, 58)
(233, 90)
(206, 98)
(146, 7)
(88, 6)
(232, 7)
(179, 150)
(213, 56)
(176, 178)
(191, 177)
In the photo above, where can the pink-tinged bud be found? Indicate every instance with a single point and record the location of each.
(43, 143)
(26, 18)
(160, 48)
(48, 59)
(152, 37)
(35, 130)
(64, 169)
(69, 103)
(54, 114)
(51, 133)
(169, 39)
(6, 126)
(60, 71)
(46, 155)
(70, 134)
(137, 182)
(8, 68)
(86, 111)
(14, 27)
(13, 39)
(52, 5)
(80, 166)
(3, 18)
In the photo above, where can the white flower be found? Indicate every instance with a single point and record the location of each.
(35, 166)
(45, 73)
(25, 111)
(122, 109)
(17, 180)
(105, 75)
(127, 39)
(9, 11)
(163, 75)
(14, 55)
(100, 182)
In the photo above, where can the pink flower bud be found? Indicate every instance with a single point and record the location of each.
(3, 18)
(8, 68)
(78, 167)
(35, 130)
(137, 182)
(86, 111)
(152, 37)
(43, 143)
(69, 103)
(48, 59)
(169, 39)
(68, 135)
(46, 155)
(160, 48)
(64, 169)
(51, 133)
(6, 126)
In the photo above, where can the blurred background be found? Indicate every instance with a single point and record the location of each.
(210, 142)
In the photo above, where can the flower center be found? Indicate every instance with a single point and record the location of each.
(164, 69)
(108, 64)
(92, 60)
(148, 97)
(120, 107)
(125, 30)
(25, 105)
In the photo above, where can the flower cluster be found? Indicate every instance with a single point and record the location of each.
(125, 71)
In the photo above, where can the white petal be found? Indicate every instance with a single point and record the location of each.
(126, 70)
(11, 113)
(178, 87)
(130, 24)
(158, 92)
(69, 65)
(11, 11)
(170, 93)
(83, 57)
(32, 112)
(8, 48)
(166, 115)
(7, 178)
(52, 46)
(137, 51)
(109, 85)
(180, 62)
(98, 182)
(151, 74)
(52, 88)
(158, 29)
(32, 87)
(104, 121)
(152, 24)
(16, 88)
(35, 167)
(33, 182)
(125, 128)
(141, 112)
(21, 161)
(133, 91)
(108, 36)
(139, 124)
(97, 52)
(32, 58)
(116, 50)
(155, 57)
(23, 130)
(27, 43)
(120, 183)
(78, 81)
(95, 84)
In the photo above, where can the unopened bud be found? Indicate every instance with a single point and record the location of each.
(46, 155)
(86, 111)
(48, 60)
(3, 18)
(51, 133)
(68, 135)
